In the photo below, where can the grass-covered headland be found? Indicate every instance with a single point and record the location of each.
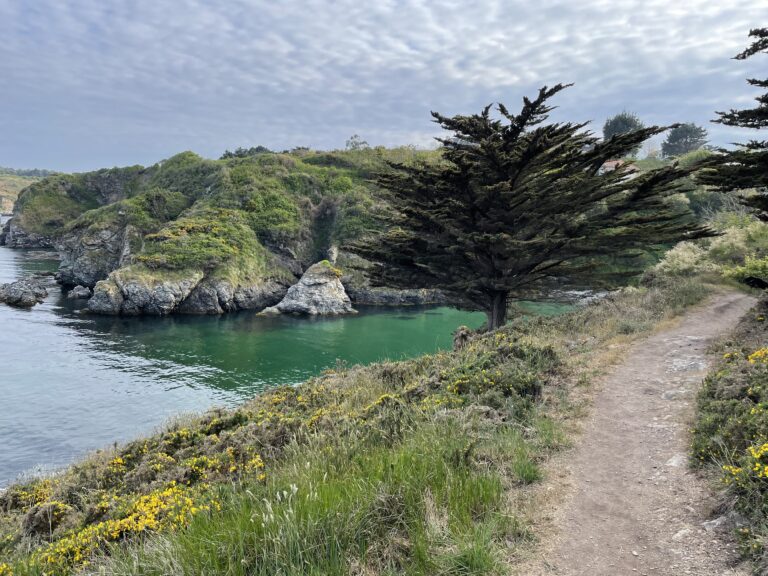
(418, 467)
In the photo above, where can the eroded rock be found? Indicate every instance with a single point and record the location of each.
(318, 293)
(23, 293)
(79, 293)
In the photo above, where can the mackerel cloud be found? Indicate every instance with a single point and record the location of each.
(88, 83)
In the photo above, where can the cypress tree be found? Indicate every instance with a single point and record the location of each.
(747, 167)
(515, 202)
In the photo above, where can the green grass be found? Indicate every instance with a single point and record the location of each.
(413, 467)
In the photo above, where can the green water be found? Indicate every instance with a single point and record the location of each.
(73, 382)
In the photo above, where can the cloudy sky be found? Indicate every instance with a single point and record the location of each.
(93, 83)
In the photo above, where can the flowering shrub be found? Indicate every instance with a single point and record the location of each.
(732, 427)
(161, 510)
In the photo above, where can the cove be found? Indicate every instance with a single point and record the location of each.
(74, 382)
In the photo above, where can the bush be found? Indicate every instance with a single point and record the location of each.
(731, 431)
(203, 240)
(685, 259)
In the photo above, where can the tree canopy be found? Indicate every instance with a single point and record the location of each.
(683, 139)
(746, 167)
(245, 152)
(622, 123)
(515, 203)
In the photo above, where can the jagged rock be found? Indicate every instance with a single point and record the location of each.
(130, 293)
(79, 293)
(23, 293)
(88, 256)
(133, 294)
(107, 299)
(319, 292)
(219, 296)
(14, 236)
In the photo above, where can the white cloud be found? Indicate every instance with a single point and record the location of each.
(88, 83)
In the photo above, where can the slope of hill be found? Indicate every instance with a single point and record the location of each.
(10, 186)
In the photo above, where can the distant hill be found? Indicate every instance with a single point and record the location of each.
(13, 181)
(10, 186)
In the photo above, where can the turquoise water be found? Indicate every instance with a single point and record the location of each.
(71, 382)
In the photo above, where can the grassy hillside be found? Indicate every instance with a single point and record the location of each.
(10, 186)
(418, 467)
(210, 215)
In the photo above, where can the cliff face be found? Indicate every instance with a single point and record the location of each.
(197, 236)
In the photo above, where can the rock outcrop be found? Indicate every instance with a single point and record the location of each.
(318, 293)
(214, 296)
(79, 293)
(89, 255)
(132, 292)
(23, 293)
(14, 236)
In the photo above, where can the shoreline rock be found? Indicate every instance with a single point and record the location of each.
(79, 293)
(14, 236)
(24, 293)
(319, 292)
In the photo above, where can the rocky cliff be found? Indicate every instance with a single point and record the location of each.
(197, 236)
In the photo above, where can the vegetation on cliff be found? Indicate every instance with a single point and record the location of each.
(250, 219)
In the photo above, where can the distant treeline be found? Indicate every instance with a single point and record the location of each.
(38, 172)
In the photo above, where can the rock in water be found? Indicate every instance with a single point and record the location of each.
(318, 293)
(79, 293)
(23, 293)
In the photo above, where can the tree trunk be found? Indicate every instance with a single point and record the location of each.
(497, 315)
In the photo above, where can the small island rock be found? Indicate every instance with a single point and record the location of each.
(23, 293)
(79, 293)
(318, 293)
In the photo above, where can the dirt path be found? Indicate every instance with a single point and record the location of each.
(634, 506)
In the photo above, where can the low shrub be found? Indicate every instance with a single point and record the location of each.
(731, 431)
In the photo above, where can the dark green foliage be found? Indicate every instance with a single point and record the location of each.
(683, 139)
(356, 143)
(245, 152)
(47, 206)
(516, 203)
(747, 167)
(623, 123)
(282, 199)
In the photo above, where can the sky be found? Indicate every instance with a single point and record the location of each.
(86, 84)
